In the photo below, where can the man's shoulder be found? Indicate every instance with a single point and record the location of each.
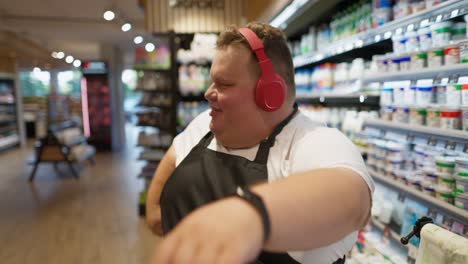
(199, 123)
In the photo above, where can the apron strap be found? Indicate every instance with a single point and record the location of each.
(265, 145)
(205, 141)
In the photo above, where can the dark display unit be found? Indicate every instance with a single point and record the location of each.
(9, 132)
(95, 87)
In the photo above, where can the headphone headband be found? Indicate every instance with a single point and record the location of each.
(257, 47)
(270, 91)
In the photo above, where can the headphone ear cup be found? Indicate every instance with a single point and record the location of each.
(270, 95)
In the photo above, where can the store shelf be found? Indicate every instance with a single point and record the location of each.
(153, 146)
(197, 63)
(154, 126)
(340, 99)
(7, 129)
(193, 98)
(7, 103)
(431, 131)
(13, 121)
(166, 107)
(441, 12)
(7, 76)
(429, 200)
(9, 141)
(140, 68)
(381, 226)
(153, 90)
(444, 71)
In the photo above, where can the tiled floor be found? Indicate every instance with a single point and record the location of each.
(58, 220)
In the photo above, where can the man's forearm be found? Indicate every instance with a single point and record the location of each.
(315, 208)
(163, 172)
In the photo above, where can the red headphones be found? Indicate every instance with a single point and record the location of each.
(270, 91)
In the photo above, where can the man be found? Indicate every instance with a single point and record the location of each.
(253, 180)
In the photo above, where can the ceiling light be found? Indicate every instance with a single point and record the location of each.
(138, 39)
(77, 63)
(126, 27)
(54, 55)
(36, 70)
(149, 47)
(60, 55)
(109, 15)
(69, 59)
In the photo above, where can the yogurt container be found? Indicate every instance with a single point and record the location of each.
(394, 165)
(393, 64)
(461, 182)
(441, 33)
(395, 151)
(417, 116)
(425, 38)
(386, 112)
(445, 165)
(452, 55)
(429, 191)
(430, 177)
(419, 154)
(461, 164)
(410, 95)
(445, 196)
(463, 51)
(454, 94)
(441, 94)
(418, 60)
(461, 200)
(464, 95)
(466, 22)
(465, 118)
(401, 114)
(405, 62)
(399, 94)
(435, 58)
(399, 43)
(431, 3)
(459, 31)
(380, 148)
(445, 181)
(416, 185)
(386, 97)
(433, 116)
(412, 42)
(450, 118)
(424, 96)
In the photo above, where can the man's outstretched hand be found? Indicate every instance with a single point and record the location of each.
(228, 231)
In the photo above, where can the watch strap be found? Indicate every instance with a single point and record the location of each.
(257, 203)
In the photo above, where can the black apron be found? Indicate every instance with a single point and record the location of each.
(205, 176)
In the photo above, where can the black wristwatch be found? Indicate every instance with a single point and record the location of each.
(257, 203)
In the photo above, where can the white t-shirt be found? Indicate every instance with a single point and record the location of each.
(302, 145)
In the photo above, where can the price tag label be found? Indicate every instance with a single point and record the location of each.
(410, 138)
(401, 197)
(383, 132)
(412, 251)
(432, 214)
(432, 141)
(450, 145)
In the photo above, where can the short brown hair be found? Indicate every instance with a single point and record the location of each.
(276, 48)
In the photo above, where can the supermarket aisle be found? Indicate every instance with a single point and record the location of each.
(60, 220)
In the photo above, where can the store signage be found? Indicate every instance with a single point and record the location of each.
(94, 67)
